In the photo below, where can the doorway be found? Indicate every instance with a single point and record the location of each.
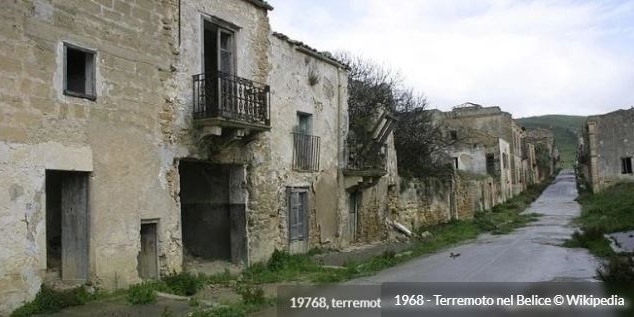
(354, 200)
(147, 259)
(213, 211)
(67, 224)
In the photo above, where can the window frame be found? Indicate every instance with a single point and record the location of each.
(221, 26)
(305, 206)
(93, 75)
(626, 165)
(309, 122)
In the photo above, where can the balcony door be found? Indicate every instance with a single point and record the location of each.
(219, 67)
(218, 49)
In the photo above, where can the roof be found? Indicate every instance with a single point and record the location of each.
(322, 55)
(261, 4)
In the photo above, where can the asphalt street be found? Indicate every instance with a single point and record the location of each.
(529, 254)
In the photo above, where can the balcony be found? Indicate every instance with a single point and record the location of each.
(366, 161)
(305, 152)
(223, 100)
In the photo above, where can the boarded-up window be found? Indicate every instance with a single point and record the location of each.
(626, 165)
(297, 214)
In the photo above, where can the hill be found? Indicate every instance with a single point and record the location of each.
(566, 130)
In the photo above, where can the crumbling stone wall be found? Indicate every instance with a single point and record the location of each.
(324, 98)
(607, 141)
(117, 137)
(431, 201)
(253, 63)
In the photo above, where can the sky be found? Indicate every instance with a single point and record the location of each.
(528, 57)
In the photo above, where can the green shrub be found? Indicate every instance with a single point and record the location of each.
(144, 293)
(49, 300)
(184, 283)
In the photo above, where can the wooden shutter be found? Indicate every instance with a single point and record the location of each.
(297, 206)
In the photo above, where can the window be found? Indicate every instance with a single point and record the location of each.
(79, 72)
(490, 161)
(219, 46)
(505, 160)
(297, 214)
(455, 162)
(626, 165)
(304, 123)
(453, 134)
(305, 145)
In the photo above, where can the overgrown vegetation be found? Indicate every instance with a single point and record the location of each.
(606, 212)
(373, 89)
(49, 301)
(144, 293)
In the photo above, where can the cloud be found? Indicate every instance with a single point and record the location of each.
(529, 57)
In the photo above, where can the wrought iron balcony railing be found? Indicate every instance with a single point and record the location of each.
(305, 152)
(224, 96)
(366, 159)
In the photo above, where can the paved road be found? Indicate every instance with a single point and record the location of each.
(529, 254)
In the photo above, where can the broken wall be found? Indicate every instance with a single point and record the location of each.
(304, 81)
(610, 139)
(431, 201)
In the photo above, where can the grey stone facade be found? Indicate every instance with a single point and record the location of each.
(606, 150)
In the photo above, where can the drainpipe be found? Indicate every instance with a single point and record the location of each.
(340, 159)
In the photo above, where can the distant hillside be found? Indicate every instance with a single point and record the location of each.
(565, 128)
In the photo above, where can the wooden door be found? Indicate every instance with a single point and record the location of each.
(148, 257)
(74, 209)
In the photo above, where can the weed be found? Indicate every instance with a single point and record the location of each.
(49, 300)
(140, 294)
(251, 295)
(184, 283)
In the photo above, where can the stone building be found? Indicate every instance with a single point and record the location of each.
(135, 137)
(494, 122)
(83, 187)
(606, 151)
(480, 153)
(545, 153)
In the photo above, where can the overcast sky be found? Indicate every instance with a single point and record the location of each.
(528, 57)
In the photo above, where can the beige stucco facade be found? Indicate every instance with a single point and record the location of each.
(114, 139)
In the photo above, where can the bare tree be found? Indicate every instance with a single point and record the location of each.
(418, 139)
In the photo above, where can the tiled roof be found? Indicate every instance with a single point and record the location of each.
(325, 56)
(261, 3)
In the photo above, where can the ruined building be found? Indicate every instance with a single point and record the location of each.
(494, 122)
(545, 153)
(605, 154)
(135, 137)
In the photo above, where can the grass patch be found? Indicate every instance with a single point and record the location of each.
(185, 283)
(593, 240)
(49, 301)
(602, 213)
(609, 211)
(144, 293)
